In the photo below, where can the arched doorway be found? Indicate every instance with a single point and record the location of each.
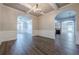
(24, 35)
(65, 32)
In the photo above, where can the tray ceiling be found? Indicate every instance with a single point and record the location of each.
(45, 7)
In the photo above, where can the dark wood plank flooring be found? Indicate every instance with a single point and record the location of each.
(38, 46)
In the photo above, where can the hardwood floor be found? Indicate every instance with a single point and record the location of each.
(38, 46)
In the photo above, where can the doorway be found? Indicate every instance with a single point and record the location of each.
(65, 40)
(24, 35)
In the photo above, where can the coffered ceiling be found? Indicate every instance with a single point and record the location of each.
(28, 7)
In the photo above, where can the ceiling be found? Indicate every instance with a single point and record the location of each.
(45, 7)
(59, 5)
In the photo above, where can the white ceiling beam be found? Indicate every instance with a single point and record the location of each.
(54, 6)
(28, 6)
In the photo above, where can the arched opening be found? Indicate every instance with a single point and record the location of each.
(65, 32)
(24, 35)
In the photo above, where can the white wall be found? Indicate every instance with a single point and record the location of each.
(47, 25)
(35, 26)
(8, 22)
(43, 25)
(74, 7)
(7, 35)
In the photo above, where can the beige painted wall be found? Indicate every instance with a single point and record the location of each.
(74, 7)
(43, 25)
(8, 18)
(46, 22)
(35, 26)
(8, 22)
(46, 25)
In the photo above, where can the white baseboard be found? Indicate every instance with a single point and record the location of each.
(11, 35)
(34, 32)
(47, 33)
(44, 33)
(7, 35)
